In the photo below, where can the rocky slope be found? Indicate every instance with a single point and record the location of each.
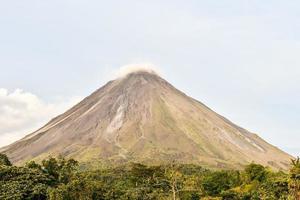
(142, 118)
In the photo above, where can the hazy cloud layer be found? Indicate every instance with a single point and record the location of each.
(23, 112)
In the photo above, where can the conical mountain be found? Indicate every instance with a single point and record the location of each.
(142, 118)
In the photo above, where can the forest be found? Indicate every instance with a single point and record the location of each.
(66, 179)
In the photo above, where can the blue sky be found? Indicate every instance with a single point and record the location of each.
(241, 58)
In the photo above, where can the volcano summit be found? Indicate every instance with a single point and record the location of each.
(140, 117)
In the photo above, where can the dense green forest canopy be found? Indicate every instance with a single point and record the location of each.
(64, 179)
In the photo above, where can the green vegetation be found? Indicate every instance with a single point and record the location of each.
(62, 179)
(4, 160)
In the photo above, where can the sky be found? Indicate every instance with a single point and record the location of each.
(239, 57)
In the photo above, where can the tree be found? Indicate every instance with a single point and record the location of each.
(58, 178)
(275, 186)
(22, 183)
(174, 177)
(51, 167)
(294, 181)
(215, 183)
(4, 160)
(33, 165)
(255, 172)
(61, 169)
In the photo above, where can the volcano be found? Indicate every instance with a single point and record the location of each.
(140, 117)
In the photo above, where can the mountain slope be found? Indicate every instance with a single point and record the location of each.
(142, 118)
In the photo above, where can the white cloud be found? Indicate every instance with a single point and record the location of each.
(22, 112)
(131, 68)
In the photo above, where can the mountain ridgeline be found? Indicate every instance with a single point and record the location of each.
(142, 118)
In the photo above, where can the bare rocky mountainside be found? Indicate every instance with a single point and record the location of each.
(142, 118)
